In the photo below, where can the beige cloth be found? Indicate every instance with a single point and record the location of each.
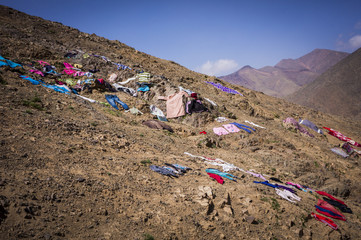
(175, 106)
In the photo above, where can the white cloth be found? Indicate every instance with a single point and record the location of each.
(217, 162)
(88, 99)
(254, 124)
(287, 195)
(221, 119)
(211, 102)
(156, 111)
(128, 80)
(189, 92)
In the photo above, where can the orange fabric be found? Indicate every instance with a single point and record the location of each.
(175, 106)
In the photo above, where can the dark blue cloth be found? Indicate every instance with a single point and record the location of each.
(266, 183)
(113, 100)
(162, 171)
(240, 126)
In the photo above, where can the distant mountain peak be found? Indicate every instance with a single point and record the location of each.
(246, 67)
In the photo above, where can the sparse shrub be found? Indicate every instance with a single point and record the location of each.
(276, 115)
(147, 236)
(144, 162)
(35, 102)
(3, 81)
(275, 205)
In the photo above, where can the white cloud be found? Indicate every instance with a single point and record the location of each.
(355, 41)
(218, 68)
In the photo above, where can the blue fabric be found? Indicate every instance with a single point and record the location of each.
(12, 64)
(239, 126)
(162, 171)
(35, 82)
(144, 88)
(2, 58)
(328, 211)
(222, 174)
(242, 125)
(57, 88)
(113, 100)
(266, 183)
(3, 64)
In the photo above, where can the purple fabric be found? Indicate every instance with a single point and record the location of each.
(292, 121)
(257, 175)
(223, 88)
(286, 188)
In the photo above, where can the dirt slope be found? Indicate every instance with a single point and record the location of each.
(71, 169)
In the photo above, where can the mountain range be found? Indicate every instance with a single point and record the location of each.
(287, 76)
(336, 91)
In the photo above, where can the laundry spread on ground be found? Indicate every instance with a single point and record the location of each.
(224, 89)
(342, 137)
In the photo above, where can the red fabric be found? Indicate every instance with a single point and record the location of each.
(330, 196)
(101, 81)
(326, 220)
(218, 178)
(327, 206)
(341, 136)
(194, 95)
(203, 132)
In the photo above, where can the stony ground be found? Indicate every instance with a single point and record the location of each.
(71, 169)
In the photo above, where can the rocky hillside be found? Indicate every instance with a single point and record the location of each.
(74, 169)
(288, 75)
(336, 91)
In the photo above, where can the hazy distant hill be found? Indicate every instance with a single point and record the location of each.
(336, 91)
(288, 75)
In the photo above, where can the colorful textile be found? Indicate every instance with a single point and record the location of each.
(223, 88)
(113, 100)
(257, 175)
(310, 125)
(330, 196)
(8, 63)
(267, 184)
(143, 77)
(222, 174)
(340, 206)
(231, 128)
(297, 186)
(326, 220)
(218, 178)
(291, 121)
(36, 71)
(35, 82)
(220, 131)
(157, 112)
(339, 151)
(341, 136)
(144, 88)
(328, 210)
(43, 63)
(175, 106)
(243, 127)
(162, 171)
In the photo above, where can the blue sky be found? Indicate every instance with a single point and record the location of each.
(212, 37)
